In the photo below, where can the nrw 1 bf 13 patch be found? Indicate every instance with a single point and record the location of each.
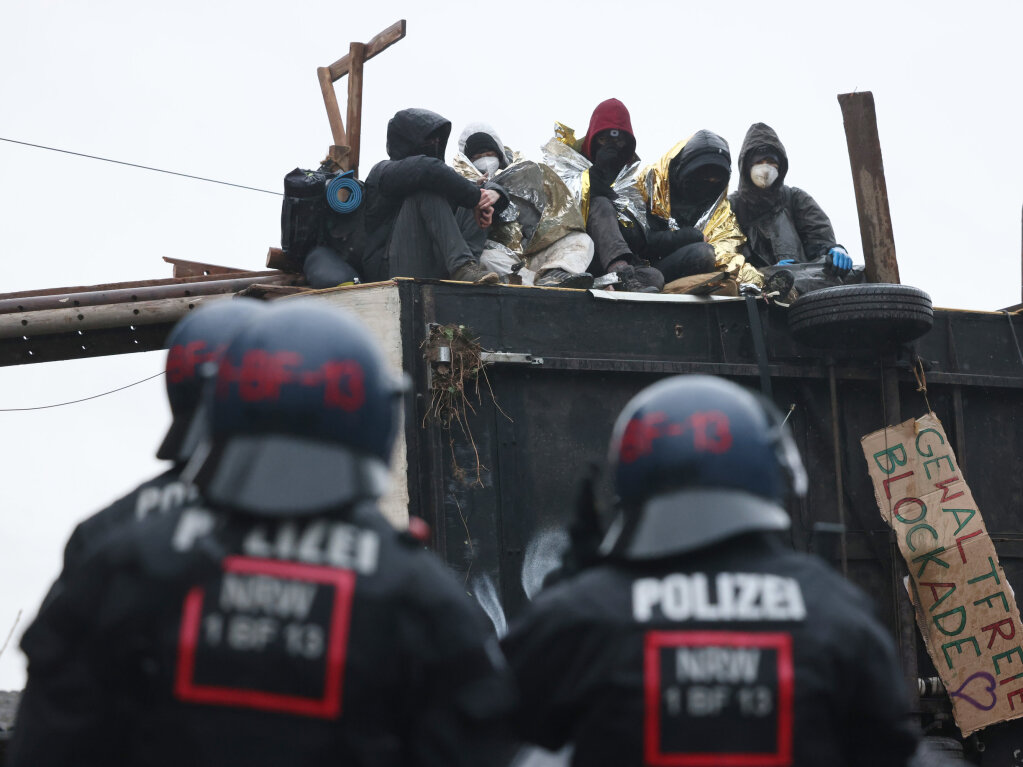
(267, 634)
(718, 699)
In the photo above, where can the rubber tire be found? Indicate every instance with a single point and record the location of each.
(860, 317)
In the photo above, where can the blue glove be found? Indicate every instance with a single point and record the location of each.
(786, 262)
(840, 258)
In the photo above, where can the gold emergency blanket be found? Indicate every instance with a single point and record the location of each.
(718, 224)
(563, 153)
(542, 210)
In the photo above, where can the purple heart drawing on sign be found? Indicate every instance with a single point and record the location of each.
(989, 688)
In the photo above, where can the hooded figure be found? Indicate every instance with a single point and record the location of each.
(481, 140)
(692, 229)
(781, 223)
(610, 147)
(410, 204)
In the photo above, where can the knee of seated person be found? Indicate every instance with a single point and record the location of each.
(426, 198)
(703, 256)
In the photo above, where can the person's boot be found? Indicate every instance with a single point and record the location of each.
(474, 273)
(632, 282)
(559, 278)
(781, 283)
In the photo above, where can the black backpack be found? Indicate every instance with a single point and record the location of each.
(308, 222)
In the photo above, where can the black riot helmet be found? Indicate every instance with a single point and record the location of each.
(198, 339)
(698, 459)
(302, 416)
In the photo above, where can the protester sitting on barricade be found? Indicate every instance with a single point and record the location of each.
(690, 225)
(599, 169)
(541, 234)
(410, 200)
(783, 225)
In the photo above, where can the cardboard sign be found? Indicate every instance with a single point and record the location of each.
(965, 608)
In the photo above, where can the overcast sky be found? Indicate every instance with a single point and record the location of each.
(228, 90)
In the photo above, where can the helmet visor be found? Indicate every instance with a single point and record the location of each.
(691, 519)
(280, 475)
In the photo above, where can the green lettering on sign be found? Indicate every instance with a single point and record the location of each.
(930, 556)
(958, 644)
(961, 523)
(959, 612)
(893, 458)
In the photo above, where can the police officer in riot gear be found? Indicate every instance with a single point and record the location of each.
(198, 339)
(283, 621)
(700, 639)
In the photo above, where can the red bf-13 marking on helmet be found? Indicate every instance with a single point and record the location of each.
(261, 374)
(184, 359)
(709, 430)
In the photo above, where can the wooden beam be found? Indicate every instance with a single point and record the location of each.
(183, 268)
(357, 53)
(278, 259)
(876, 234)
(378, 44)
(337, 126)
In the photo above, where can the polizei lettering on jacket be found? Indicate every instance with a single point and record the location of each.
(315, 542)
(729, 597)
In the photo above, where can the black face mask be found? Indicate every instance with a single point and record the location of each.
(703, 187)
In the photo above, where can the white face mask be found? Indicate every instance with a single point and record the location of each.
(763, 174)
(487, 165)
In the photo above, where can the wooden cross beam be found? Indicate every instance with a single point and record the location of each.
(345, 151)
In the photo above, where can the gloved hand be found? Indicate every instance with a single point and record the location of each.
(601, 179)
(840, 258)
(634, 237)
(786, 262)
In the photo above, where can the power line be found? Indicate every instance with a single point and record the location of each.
(144, 167)
(83, 399)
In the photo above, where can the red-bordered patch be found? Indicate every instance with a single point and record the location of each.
(328, 666)
(758, 696)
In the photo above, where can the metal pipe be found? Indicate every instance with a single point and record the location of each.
(51, 321)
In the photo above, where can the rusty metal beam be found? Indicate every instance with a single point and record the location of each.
(184, 268)
(128, 284)
(205, 287)
(876, 234)
(99, 342)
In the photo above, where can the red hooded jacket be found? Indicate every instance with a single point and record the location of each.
(608, 115)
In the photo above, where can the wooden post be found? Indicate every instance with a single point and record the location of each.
(346, 144)
(337, 127)
(357, 55)
(876, 234)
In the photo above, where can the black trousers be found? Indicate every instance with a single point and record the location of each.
(426, 241)
(608, 243)
(694, 258)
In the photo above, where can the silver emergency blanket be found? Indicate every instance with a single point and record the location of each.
(573, 169)
(542, 209)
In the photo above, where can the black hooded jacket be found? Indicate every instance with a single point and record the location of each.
(410, 171)
(782, 221)
(704, 147)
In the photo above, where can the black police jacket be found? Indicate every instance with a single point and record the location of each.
(161, 494)
(203, 639)
(744, 653)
